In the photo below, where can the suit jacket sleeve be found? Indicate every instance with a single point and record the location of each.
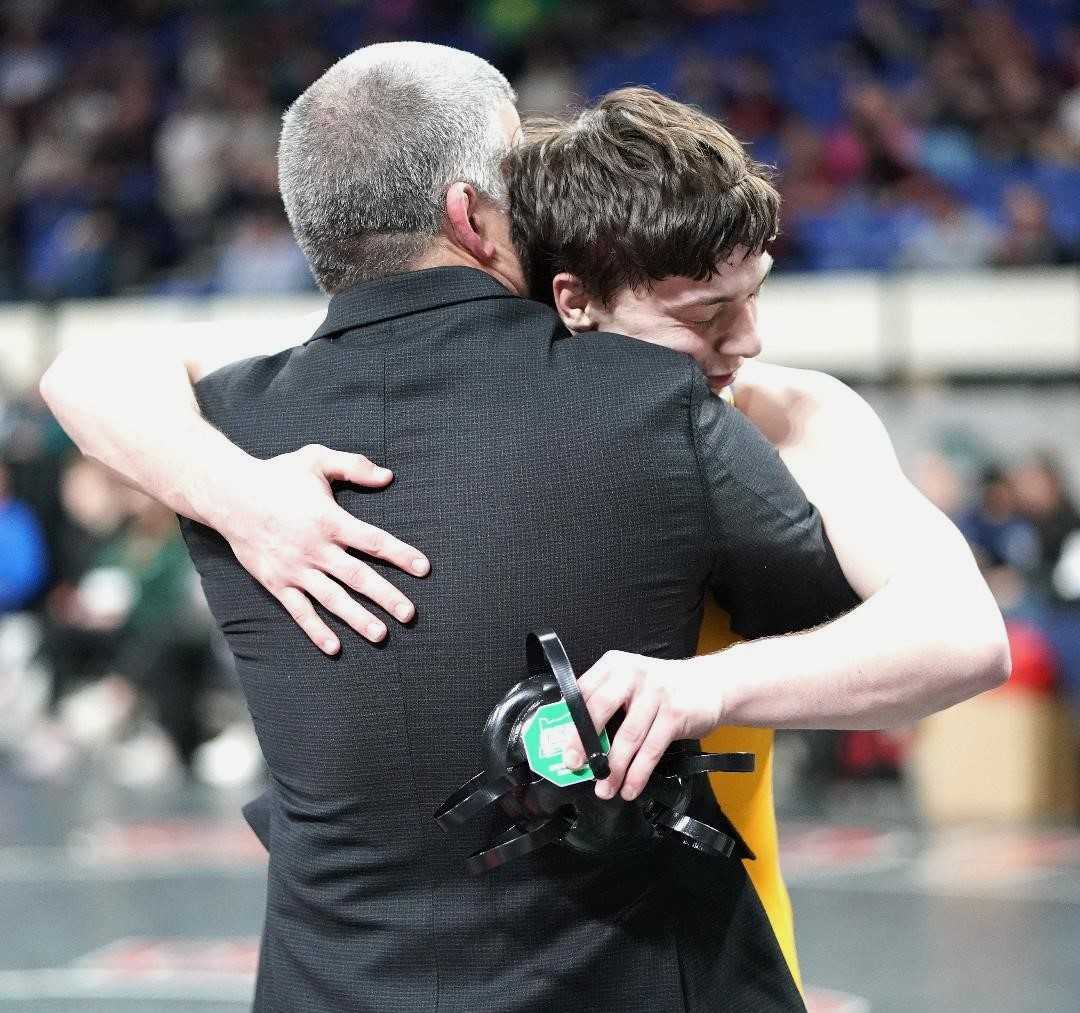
(774, 570)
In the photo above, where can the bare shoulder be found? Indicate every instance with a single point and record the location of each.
(787, 403)
(794, 387)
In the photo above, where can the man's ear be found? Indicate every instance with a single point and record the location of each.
(575, 305)
(465, 226)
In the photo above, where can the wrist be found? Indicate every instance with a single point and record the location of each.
(709, 682)
(737, 672)
(221, 488)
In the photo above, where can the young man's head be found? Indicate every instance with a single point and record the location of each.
(646, 217)
(393, 160)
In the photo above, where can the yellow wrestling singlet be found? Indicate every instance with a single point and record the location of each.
(747, 799)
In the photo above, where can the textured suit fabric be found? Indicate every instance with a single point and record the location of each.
(587, 483)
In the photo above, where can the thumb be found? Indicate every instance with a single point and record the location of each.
(574, 753)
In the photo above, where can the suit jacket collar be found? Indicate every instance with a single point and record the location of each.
(371, 302)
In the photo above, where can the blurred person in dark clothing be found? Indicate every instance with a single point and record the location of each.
(94, 509)
(1043, 500)
(164, 647)
(884, 140)
(994, 527)
(125, 637)
(882, 37)
(78, 639)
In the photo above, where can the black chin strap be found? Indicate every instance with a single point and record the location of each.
(476, 794)
(546, 654)
(691, 764)
(514, 843)
(692, 832)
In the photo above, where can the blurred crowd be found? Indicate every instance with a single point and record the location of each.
(108, 654)
(140, 135)
(1023, 527)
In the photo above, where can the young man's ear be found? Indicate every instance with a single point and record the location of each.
(466, 226)
(574, 304)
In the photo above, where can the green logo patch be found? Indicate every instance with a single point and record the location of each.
(547, 733)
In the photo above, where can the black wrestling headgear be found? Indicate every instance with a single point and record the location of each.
(523, 740)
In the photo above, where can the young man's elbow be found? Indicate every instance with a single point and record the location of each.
(48, 385)
(991, 659)
(61, 379)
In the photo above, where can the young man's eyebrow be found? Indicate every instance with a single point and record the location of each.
(717, 299)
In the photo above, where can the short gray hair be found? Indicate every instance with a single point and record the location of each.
(368, 152)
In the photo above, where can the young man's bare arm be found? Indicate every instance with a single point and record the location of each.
(130, 405)
(928, 635)
(942, 637)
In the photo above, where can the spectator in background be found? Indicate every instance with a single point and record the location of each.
(548, 84)
(1042, 499)
(23, 556)
(994, 527)
(190, 154)
(939, 480)
(1068, 118)
(74, 256)
(950, 237)
(1028, 239)
(29, 67)
(748, 98)
(163, 635)
(9, 163)
(882, 38)
(93, 512)
(261, 256)
(878, 144)
(83, 611)
(127, 636)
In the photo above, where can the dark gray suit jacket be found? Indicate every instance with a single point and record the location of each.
(590, 483)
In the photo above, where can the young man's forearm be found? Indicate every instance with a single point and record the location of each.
(136, 413)
(901, 655)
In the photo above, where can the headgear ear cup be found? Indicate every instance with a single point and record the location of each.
(547, 809)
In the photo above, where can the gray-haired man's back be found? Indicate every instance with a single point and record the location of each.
(588, 483)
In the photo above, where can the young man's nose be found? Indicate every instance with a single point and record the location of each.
(742, 337)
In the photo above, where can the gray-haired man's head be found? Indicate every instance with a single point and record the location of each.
(368, 151)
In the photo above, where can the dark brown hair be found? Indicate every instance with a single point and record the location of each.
(637, 188)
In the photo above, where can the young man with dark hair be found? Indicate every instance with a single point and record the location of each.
(635, 189)
(681, 263)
